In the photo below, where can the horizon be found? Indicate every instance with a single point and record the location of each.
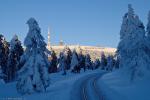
(86, 22)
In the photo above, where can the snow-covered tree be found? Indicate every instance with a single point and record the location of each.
(110, 63)
(81, 57)
(132, 48)
(1, 73)
(68, 54)
(103, 60)
(74, 62)
(62, 63)
(1, 76)
(59, 61)
(88, 63)
(53, 62)
(4, 50)
(96, 63)
(15, 53)
(33, 76)
(116, 61)
(148, 26)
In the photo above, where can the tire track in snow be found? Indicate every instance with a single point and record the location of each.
(91, 81)
(101, 97)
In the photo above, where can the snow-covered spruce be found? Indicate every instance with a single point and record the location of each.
(68, 54)
(53, 62)
(116, 62)
(148, 30)
(88, 63)
(1, 74)
(148, 26)
(15, 52)
(4, 51)
(74, 61)
(64, 60)
(81, 57)
(132, 48)
(96, 64)
(110, 63)
(33, 76)
(103, 61)
(62, 63)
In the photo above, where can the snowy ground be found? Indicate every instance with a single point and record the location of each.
(116, 87)
(60, 88)
(111, 86)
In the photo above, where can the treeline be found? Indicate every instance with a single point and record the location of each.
(75, 60)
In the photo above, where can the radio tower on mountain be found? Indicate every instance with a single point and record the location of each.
(49, 44)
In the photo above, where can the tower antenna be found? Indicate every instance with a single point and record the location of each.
(48, 44)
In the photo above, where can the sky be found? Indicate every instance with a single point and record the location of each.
(83, 22)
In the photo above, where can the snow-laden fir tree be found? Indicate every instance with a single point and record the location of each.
(68, 54)
(1, 76)
(81, 57)
(62, 63)
(53, 62)
(59, 61)
(148, 26)
(64, 60)
(88, 63)
(132, 48)
(116, 61)
(4, 51)
(74, 60)
(110, 63)
(148, 31)
(1, 73)
(33, 76)
(96, 64)
(15, 53)
(103, 60)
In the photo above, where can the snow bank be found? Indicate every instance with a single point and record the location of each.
(115, 86)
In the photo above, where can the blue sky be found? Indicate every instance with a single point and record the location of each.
(85, 22)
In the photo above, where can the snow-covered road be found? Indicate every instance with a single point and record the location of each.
(86, 88)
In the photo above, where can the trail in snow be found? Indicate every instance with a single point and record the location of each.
(86, 88)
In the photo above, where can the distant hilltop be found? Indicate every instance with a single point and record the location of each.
(94, 51)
